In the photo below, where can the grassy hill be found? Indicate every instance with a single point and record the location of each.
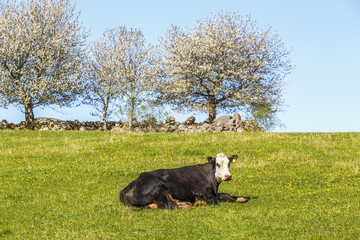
(65, 185)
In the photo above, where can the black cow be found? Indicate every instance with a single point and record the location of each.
(181, 187)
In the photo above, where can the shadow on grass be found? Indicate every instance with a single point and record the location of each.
(246, 199)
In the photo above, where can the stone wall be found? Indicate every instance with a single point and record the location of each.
(224, 123)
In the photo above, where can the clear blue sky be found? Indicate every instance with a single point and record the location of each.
(322, 93)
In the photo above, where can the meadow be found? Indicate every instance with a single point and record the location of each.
(65, 185)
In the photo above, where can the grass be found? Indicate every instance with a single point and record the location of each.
(65, 185)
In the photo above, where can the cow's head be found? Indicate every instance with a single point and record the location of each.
(221, 164)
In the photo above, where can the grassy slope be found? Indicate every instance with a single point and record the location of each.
(65, 185)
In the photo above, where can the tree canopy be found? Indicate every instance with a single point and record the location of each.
(225, 63)
(121, 69)
(42, 48)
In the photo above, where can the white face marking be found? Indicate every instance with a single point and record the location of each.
(222, 172)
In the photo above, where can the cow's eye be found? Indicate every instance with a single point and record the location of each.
(218, 165)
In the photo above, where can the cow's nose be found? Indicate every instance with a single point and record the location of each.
(227, 177)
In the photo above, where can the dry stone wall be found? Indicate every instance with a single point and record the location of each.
(224, 123)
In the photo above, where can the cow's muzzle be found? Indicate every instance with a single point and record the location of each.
(227, 177)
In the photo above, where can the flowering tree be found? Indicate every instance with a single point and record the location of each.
(103, 87)
(225, 63)
(121, 67)
(41, 54)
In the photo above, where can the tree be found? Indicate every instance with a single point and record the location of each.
(137, 71)
(123, 67)
(104, 85)
(225, 63)
(42, 47)
(265, 115)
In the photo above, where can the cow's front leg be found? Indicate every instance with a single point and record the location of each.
(225, 197)
(180, 204)
(199, 202)
(207, 198)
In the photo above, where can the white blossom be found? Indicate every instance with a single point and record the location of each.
(121, 67)
(41, 54)
(225, 63)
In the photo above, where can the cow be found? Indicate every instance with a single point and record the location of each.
(183, 187)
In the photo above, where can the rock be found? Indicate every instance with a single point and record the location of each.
(151, 121)
(22, 125)
(138, 129)
(57, 128)
(231, 123)
(237, 118)
(205, 127)
(135, 123)
(118, 124)
(225, 129)
(117, 129)
(169, 128)
(249, 125)
(172, 128)
(190, 120)
(223, 123)
(182, 127)
(152, 129)
(240, 130)
(261, 129)
(51, 123)
(192, 130)
(170, 120)
(3, 124)
(44, 128)
(232, 129)
(224, 119)
(44, 120)
(11, 126)
(218, 128)
(207, 121)
(70, 125)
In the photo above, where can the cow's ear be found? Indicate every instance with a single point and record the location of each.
(233, 158)
(211, 159)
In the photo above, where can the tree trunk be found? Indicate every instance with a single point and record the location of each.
(105, 121)
(131, 128)
(29, 116)
(212, 110)
(131, 114)
(104, 116)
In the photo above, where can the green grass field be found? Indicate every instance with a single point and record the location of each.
(65, 185)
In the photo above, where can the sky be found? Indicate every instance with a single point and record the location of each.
(322, 93)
